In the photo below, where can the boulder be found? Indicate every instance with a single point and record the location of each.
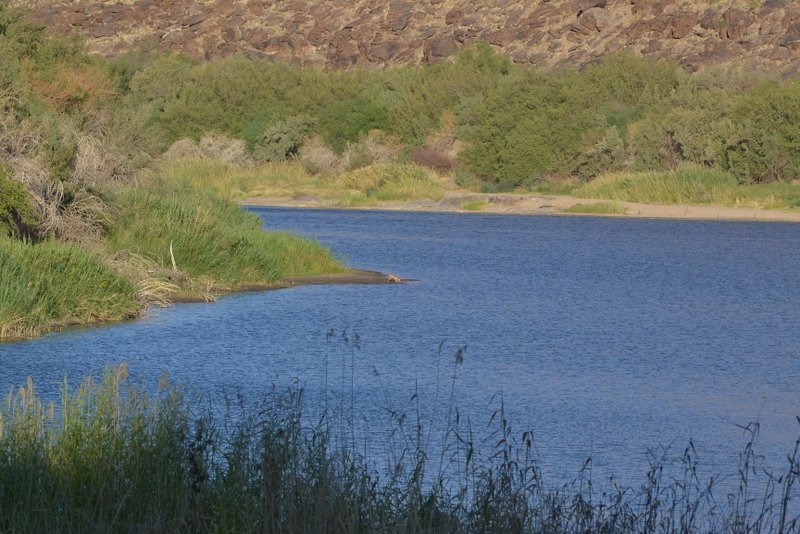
(681, 25)
(502, 37)
(440, 48)
(594, 19)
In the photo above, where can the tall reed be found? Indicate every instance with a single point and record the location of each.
(113, 458)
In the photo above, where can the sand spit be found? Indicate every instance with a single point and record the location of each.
(511, 204)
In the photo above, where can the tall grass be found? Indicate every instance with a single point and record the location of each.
(113, 458)
(686, 185)
(690, 184)
(210, 238)
(388, 181)
(372, 184)
(274, 179)
(47, 284)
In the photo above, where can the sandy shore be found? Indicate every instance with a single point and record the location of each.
(512, 204)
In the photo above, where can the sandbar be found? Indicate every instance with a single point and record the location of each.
(536, 204)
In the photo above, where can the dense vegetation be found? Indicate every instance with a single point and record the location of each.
(517, 125)
(112, 458)
(85, 234)
(121, 157)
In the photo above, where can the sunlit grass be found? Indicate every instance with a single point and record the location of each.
(283, 179)
(386, 182)
(605, 208)
(369, 185)
(211, 238)
(46, 284)
(690, 185)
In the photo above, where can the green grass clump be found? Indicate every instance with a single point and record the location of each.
(211, 238)
(47, 284)
(598, 208)
(687, 185)
(472, 205)
(388, 181)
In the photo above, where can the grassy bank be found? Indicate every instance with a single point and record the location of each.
(690, 185)
(49, 284)
(109, 457)
(370, 185)
(164, 238)
(210, 238)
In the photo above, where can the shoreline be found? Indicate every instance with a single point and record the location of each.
(351, 276)
(537, 204)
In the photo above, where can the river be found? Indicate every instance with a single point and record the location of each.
(614, 339)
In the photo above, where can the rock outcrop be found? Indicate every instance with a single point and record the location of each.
(763, 34)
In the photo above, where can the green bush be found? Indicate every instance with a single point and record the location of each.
(529, 126)
(765, 144)
(346, 120)
(282, 139)
(16, 211)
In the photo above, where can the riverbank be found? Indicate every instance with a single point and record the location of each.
(348, 277)
(536, 204)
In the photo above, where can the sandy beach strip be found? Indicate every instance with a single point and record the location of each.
(512, 204)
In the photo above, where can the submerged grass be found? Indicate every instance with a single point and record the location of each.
(111, 458)
(48, 283)
(690, 185)
(472, 205)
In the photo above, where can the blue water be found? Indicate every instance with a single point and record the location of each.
(607, 337)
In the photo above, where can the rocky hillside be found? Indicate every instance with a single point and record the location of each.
(341, 33)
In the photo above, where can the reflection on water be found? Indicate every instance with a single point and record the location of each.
(607, 337)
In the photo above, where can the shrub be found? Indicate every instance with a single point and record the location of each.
(16, 210)
(432, 159)
(528, 127)
(347, 120)
(282, 139)
(765, 145)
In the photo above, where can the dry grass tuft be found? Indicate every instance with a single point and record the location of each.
(444, 141)
(214, 147)
(154, 283)
(376, 148)
(96, 166)
(225, 149)
(318, 158)
(183, 149)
